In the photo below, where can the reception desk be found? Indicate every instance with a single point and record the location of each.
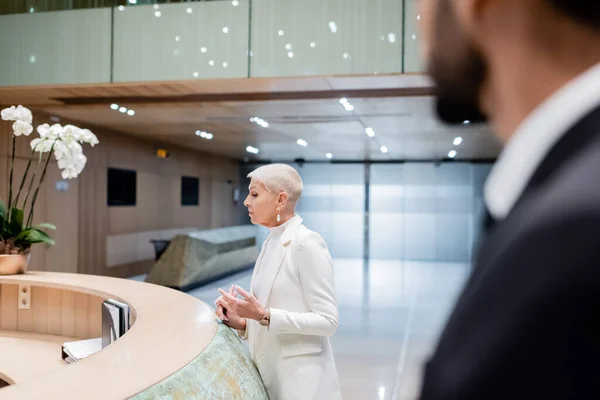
(175, 348)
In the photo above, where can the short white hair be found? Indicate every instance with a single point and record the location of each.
(278, 178)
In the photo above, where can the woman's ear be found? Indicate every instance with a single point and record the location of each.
(282, 199)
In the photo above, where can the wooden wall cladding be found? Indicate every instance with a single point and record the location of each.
(53, 311)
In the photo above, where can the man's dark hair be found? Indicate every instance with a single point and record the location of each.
(584, 11)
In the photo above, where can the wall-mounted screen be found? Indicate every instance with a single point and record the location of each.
(122, 187)
(190, 191)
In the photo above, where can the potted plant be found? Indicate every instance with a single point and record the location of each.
(17, 232)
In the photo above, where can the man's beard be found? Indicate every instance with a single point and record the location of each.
(458, 69)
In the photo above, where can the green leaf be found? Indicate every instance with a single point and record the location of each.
(16, 221)
(31, 236)
(2, 209)
(2, 218)
(44, 226)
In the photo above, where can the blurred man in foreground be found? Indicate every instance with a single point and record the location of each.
(527, 323)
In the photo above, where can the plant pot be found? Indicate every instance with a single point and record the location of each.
(13, 264)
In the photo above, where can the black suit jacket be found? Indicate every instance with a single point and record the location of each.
(527, 325)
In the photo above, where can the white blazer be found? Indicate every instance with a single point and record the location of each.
(294, 355)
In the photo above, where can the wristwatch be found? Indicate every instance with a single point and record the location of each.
(266, 320)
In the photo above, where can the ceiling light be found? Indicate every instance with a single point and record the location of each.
(419, 17)
(157, 13)
(32, 10)
(121, 8)
(252, 150)
(392, 37)
(131, 113)
(280, 33)
(457, 141)
(348, 107)
(384, 149)
(225, 64)
(178, 38)
(329, 155)
(332, 27)
(235, 3)
(370, 132)
(199, 133)
(302, 142)
(156, 6)
(466, 122)
(203, 49)
(291, 54)
(196, 74)
(114, 106)
(123, 109)
(132, 1)
(346, 56)
(414, 36)
(381, 392)
(225, 29)
(259, 121)
(211, 63)
(208, 136)
(343, 101)
(288, 46)
(382, 38)
(313, 44)
(452, 154)
(189, 10)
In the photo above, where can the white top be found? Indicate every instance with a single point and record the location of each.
(535, 137)
(267, 265)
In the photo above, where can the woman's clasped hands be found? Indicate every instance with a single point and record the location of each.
(234, 311)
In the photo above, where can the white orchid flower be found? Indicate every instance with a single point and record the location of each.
(9, 114)
(41, 145)
(89, 137)
(22, 128)
(24, 114)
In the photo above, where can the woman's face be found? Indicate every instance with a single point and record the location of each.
(261, 204)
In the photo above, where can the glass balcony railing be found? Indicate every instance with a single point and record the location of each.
(33, 6)
(206, 40)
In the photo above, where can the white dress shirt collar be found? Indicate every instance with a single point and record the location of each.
(535, 137)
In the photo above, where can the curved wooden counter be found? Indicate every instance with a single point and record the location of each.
(170, 330)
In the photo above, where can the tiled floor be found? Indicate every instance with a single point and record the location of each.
(390, 315)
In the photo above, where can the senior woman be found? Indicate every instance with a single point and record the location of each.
(290, 310)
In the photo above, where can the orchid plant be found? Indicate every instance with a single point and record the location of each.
(17, 234)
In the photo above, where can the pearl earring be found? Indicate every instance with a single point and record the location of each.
(278, 215)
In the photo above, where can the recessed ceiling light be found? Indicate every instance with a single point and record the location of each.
(225, 29)
(392, 37)
(235, 3)
(32, 10)
(123, 109)
(414, 36)
(349, 107)
(132, 1)
(196, 74)
(131, 113)
(302, 142)
(384, 149)
(156, 6)
(211, 63)
(121, 8)
(466, 122)
(280, 33)
(452, 154)
(288, 46)
(189, 10)
(225, 65)
(203, 49)
(370, 132)
(199, 133)
(178, 38)
(252, 150)
(208, 136)
(114, 106)
(419, 17)
(343, 101)
(157, 14)
(329, 155)
(457, 141)
(313, 44)
(291, 54)
(332, 26)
